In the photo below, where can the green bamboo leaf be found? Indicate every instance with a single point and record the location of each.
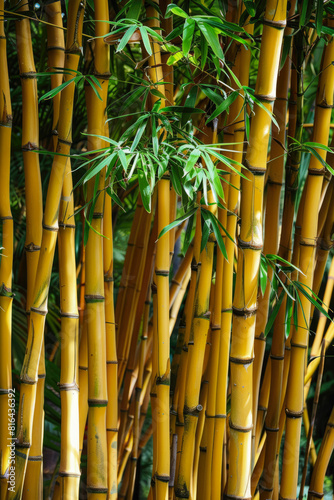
(318, 16)
(91, 83)
(273, 314)
(154, 34)
(273, 258)
(204, 51)
(188, 33)
(217, 99)
(206, 231)
(146, 40)
(208, 216)
(139, 134)
(53, 92)
(181, 109)
(122, 158)
(145, 190)
(224, 105)
(95, 170)
(250, 7)
(115, 198)
(188, 234)
(176, 10)
(128, 34)
(306, 12)
(263, 275)
(193, 157)
(178, 221)
(212, 39)
(175, 33)
(309, 294)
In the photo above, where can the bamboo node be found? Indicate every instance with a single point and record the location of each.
(69, 474)
(239, 428)
(28, 75)
(280, 25)
(161, 272)
(50, 228)
(55, 47)
(246, 313)
(37, 458)
(314, 494)
(68, 315)
(96, 489)
(271, 429)
(92, 299)
(266, 98)
(317, 171)
(254, 170)
(194, 412)
(97, 403)
(68, 387)
(293, 414)
(264, 488)
(300, 346)
(39, 311)
(162, 477)
(30, 146)
(32, 247)
(251, 245)
(277, 358)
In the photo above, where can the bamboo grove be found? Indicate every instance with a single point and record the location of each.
(166, 270)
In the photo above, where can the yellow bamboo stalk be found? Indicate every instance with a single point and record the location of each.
(30, 143)
(196, 348)
(127, 321)
(272, 225)
(126, 277)
(250, 246)
(29, 371)
(319, 471)
(295, 130)
(97, 451)
(112, 408)
(33, 486)
(7, 395)
(295, 388)
(83, 357)
(34, 204)
(324, 245)
(56, 53)
(69, 469)
(232, 196)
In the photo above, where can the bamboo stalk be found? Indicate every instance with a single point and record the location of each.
(232, 196)
(69, 469)
(196, 347)
(311, 427)
(295, 388)
(29, 373)
(319, 471)
(250, 246)
(7, 408)
(34, 204)
(97, 450)
(112, 408)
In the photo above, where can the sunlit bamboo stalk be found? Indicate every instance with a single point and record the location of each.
(29, 373)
